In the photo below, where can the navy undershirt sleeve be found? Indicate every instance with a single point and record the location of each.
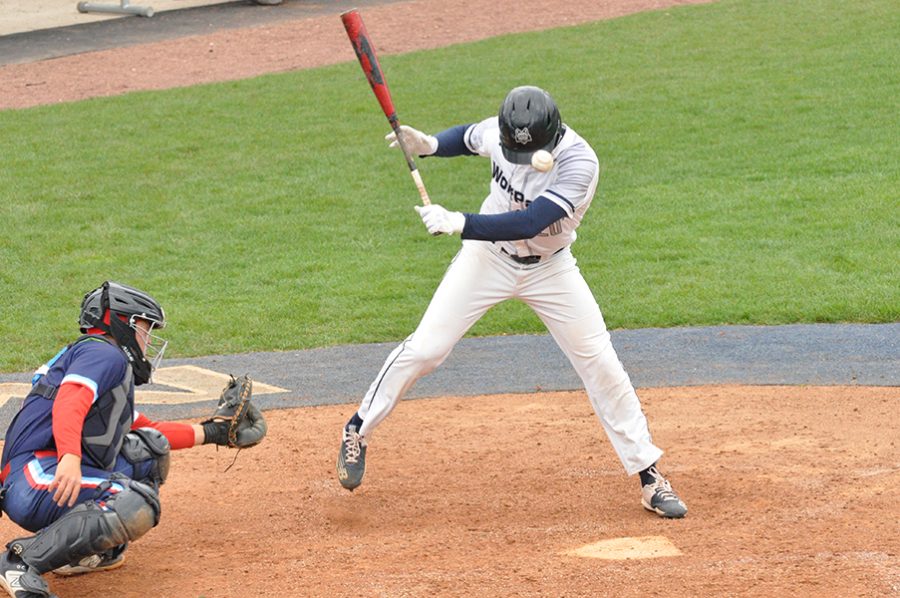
(451, 142)
(513, 226)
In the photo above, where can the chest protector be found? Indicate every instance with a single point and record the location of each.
(106, 422)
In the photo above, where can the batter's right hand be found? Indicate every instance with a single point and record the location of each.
(416, 142)
(440, 221)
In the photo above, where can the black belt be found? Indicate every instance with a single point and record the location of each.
(527, 259)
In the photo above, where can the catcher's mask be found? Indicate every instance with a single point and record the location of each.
(129, 305)
(529, 121)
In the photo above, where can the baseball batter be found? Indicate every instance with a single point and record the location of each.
(518, 246)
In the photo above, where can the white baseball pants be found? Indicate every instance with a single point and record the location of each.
(480, 277)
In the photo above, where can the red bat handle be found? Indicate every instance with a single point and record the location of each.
(368, 60)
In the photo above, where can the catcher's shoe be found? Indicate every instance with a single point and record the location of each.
(21, 581)
(659, 497)
(351, 461)
(111, 559)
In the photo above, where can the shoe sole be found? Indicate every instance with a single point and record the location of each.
(662, 513)
(73, 571)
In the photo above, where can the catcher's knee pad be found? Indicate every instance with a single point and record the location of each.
(90, 529)
(147, 445)
(137, 508)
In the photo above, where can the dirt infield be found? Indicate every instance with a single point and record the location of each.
(240, 53)
(792, 490)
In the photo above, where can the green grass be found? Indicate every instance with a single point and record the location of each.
(750, 175)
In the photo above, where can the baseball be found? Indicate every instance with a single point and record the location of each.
(542, 160)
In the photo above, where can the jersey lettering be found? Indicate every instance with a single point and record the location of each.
(553, 229)
(501, 180)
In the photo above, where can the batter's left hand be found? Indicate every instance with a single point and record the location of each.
(440, 221)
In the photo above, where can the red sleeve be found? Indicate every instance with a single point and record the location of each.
(70, 407)
(180, 436)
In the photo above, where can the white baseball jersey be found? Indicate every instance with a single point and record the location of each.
(570, 184)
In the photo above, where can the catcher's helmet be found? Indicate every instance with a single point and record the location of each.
(124, 301)
(529, 121)
(129, 304)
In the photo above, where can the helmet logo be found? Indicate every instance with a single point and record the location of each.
(522, 136)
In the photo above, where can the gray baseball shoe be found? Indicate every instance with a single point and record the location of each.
(20, 580)
(111, 559)
(351, 461)
(659, 497)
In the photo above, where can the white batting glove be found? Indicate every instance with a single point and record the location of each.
(440, 221)
(417, 142)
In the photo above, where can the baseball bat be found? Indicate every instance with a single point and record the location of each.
(368, 60)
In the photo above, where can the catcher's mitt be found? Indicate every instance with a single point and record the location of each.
(236, 423)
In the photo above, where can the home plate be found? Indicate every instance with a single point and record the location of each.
(620, 549)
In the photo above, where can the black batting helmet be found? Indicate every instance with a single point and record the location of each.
(529, 121)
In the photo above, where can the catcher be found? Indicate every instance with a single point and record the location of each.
(80, 467)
